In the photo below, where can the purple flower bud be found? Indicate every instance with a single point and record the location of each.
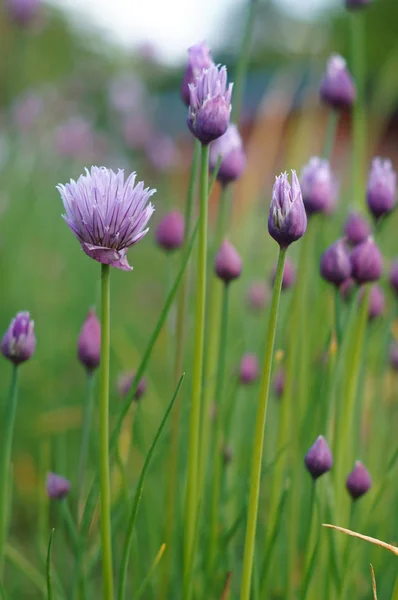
(89, 343)
(287, 221)
(356, 4)
(23, 12)
(337, 87)
(335, 263)
(358, 481)
(394, 277)
(377, 302)
(162, 153)
(57, 487)
(318, 186)
(19, 341)
(170, 232)
(366, 262)
(347, 288)
(227, 454)
(233, 158)
(125, 383)
(210, 104)
(382, 187)
(249, 369)
(319, 459)
(394, 356)
(356, 229)
(228, 263)
(198, 59)
(279, 382)
(289, 275)
(258, 296)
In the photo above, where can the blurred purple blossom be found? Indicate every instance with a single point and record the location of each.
(335, 263)
(127, 94)
(366, 262)
(258, 295)
(289, 275)
(26, 111)
(337, 88)
(356, 228)
(318, 186)
(382, 188)
(377, 303)
(170, 232)
(137, 131)
(198, 59)
(228, 263)
(233, 158)
(89, 342)
(57, 487)
(125, 382)
(23, 12)
(162, 153)
(249, 369)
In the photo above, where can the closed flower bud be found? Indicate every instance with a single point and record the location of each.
(57, 487)
(356, 4)
(337, 87)
(287, 221)
(23, 12)
(19, 341)
(229, 148)
(377, 303)
(258, 296)
(125, 383)
(249, 369)
(394, 356)
(382, 188)
(209, 104)
(198, 59)
(318, 186)
(279, 382)
(356, 229)
(289, 275)
(228, 263)
(347, 288)
(358, 481)
(394, 277)
(335, 263)
(319, 459)
(89, 343)
(170, 232)
(227, 455)
(366, 262)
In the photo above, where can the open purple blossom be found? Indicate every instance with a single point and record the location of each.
(57, 487)
(319, 459)
(287, 221)
(229, 149)
(337, 87)
(199, 58)
(318, 186)
(107, 214)
(356, 229)
(89, 343)
(210, 104)
(335, 263)
(19, 341)
(382, 188)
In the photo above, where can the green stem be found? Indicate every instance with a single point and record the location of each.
(48, 567)
(255, 475)
(85, 441)
(333, 120)
(345, 574)
(218, 437)
(191, 506)
(105, 495)
(9, 422)
(309, 543)
(358, 114)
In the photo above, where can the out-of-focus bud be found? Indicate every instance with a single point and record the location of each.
(125, 383)
(394, 356)
(319, 459)
(394, 276)
(318, 186)
(229, 148)
(57, 487)
(279, 382)
(198, 59)
(377, 303)
(170, 232)
(366, 262)
(19, 341)
(358, 481)
(287, 221)
(337, 87)
(335, 263)
(347, 289)
(228, 263)
(356, 229)
(258, 296)
(289, 275)
(249, 369)
(23, 12)
(382, 188)
(89, 342)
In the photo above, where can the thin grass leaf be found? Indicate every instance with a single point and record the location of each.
(374, 587)
(48, 567)
(227, 586)
(311, 567)
(26, 568)
(138, 494)
(2, 593)
(385, 480)
(214, 174)
(144, 584)
(366, 538)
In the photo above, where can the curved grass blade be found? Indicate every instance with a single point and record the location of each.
(48, 567)
(137, 497)
(143, 585)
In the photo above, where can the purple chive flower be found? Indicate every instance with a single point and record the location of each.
(198, 59)
(23, 12)
(356, 4)
(89, 343)
(75, 138)
(394, 276)
(107, 214)
(233, 158)
(249, 369)
(358, 481)
(382, 188)
(394, 356)
(125, 383)
(137, 131)
(210, 104)
(258, 296)
(366, 262)
(377, 303)
(287, 221)
(347, 288)
(337, 87)
(318, 186)
(319, 459)
(162, 153)
(19, 341)
(228, 263)
(335, 263)
(356, 229)
(279, 382)
(57, 487)
(289, 275)
(170, 232)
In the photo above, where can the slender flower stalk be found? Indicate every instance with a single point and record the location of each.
(255, 474)
(86, 431)
(359, 133)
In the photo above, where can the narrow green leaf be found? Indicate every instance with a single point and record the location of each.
(155, 563)
(48, 567)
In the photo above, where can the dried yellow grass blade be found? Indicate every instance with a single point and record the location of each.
(366, 538)
(372, 572)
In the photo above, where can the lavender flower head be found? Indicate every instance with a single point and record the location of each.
(125, 383)
(199, 58)
(89, 343)
(394, 276)
(318, 186)
(377, 303)
(356, 229)
(335, 263)
(382, 188)
(23, 12)
(358, 481)
(249, 369)
(210, 104)
(366, 262)
(229, 148)
(107, 214)
(228, 263)
(337, 87)
(170, 232)
(258, 296)
(57, 487)
(19, 341)
(319, 459)
(287, 221)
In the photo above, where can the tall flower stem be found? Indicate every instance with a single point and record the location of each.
(105, 496)
(309, 543)
(85, 441)
(255, 475)
(178, 361)
(191, 500)
(9, 423)
(358, 115)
